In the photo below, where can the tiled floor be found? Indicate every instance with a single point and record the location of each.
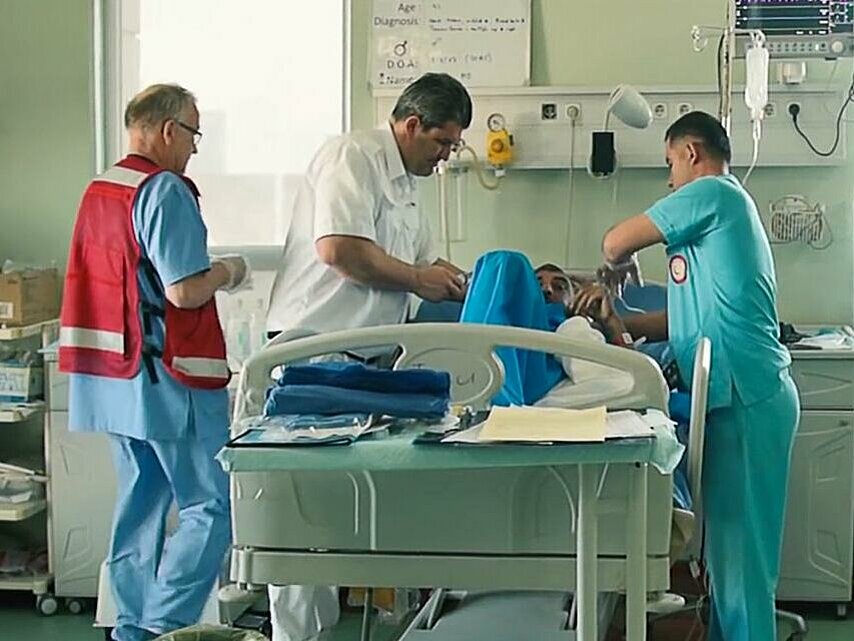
(19, 620)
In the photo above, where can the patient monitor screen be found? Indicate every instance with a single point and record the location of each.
(795, 17)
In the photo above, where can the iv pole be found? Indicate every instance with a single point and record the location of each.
(725, 115)
(700, 35)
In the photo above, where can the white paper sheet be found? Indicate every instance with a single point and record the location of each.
(625, 424)
(545, 424)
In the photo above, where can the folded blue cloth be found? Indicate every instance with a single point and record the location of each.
(325, 399)
(504, 291)
(355, 376)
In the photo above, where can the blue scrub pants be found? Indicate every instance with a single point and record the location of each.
(157, 591)
(745, 480)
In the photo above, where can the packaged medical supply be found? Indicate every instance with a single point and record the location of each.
(28, 296)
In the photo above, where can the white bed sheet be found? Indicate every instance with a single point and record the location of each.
(568, 394)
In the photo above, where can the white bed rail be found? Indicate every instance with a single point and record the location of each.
(466, 351)
(697, 440)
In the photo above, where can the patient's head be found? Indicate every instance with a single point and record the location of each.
(555, 283)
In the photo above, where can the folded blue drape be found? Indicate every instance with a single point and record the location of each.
(352, 388)
(326, 399)
(504, 291)
(355, 376)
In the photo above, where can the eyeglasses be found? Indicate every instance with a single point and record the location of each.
(197, 135)
(453, 146)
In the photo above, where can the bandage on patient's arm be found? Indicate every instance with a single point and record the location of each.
(578, 370)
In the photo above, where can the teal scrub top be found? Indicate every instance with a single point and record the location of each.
(173, 236)
(721, 284)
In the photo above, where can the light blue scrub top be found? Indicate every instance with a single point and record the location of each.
(721, 284)
(172, 235)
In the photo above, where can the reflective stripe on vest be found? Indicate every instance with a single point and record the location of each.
(198, 366)
(123, 176)
(92, 339)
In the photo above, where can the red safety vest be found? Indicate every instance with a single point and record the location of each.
(101, 332)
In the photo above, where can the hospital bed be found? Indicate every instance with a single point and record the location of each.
(588, 518)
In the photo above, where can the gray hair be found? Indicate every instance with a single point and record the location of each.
(437, 99)
(157, 103)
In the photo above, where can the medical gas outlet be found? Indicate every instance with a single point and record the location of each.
(499, 143)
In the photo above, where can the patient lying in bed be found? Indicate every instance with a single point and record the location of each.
(506, 290)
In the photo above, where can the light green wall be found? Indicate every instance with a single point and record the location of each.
(602, 44)
(46, 139)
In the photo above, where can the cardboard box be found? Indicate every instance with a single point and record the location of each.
(21, 383)
(29, 297)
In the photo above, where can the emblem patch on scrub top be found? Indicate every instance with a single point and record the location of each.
(678, 269)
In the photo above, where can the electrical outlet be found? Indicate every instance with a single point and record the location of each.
(548, 111)
(794, 109)
(770, 110)
(573, 113)
(659, 111)
(684, 108)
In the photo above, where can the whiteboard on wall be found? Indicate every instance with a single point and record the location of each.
(483, 43)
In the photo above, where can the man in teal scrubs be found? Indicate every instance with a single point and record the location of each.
(721, 284)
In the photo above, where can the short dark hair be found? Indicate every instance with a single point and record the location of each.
(705, 127)
(549, 267)
(436, 98)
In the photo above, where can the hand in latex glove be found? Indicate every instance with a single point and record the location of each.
(614, 276)
(239, 271)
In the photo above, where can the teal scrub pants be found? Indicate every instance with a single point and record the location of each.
(158, 590)
(745, 480)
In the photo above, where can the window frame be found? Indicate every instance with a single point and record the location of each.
(109, 102)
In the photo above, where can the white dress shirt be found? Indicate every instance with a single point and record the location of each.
(356, 185)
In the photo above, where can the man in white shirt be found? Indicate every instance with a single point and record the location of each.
(357, 248)
(358, 244)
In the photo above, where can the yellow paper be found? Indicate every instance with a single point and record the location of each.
(544, 424)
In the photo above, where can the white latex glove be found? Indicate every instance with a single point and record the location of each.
(614, 276)
(239, 271)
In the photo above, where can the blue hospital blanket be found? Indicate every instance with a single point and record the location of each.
(325, 399)
(353, 388)
(504, 291)
(355, 376)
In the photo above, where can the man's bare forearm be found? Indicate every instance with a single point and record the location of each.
(614, 328)
(653, 326)
(194, 291)
(629, 236)
(363, 261)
